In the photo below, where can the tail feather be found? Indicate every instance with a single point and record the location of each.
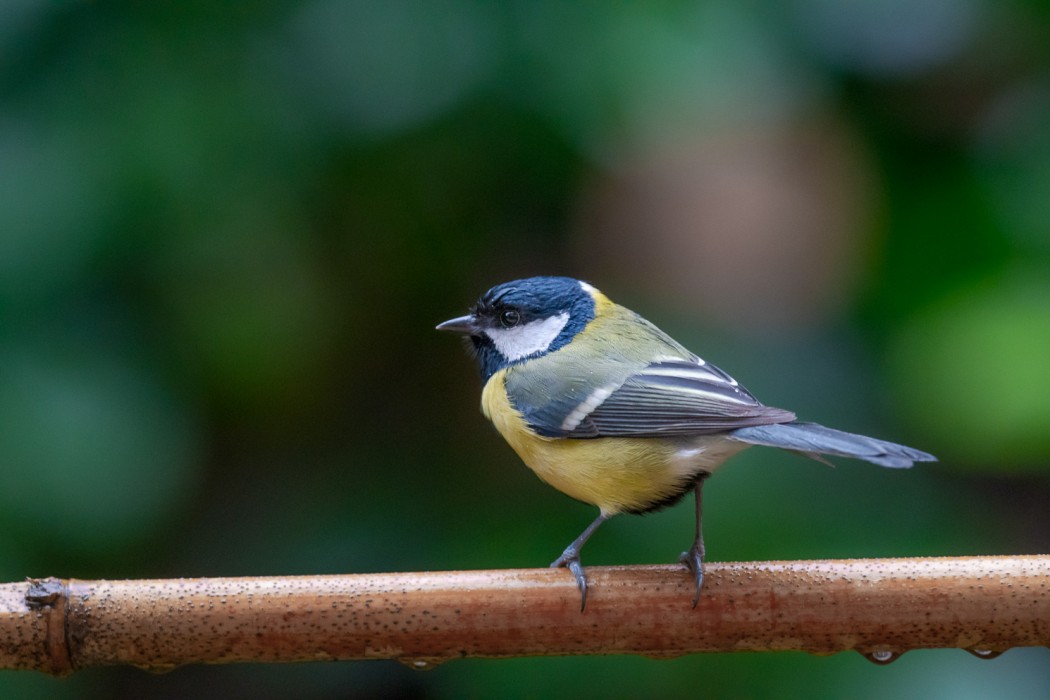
(812, 439)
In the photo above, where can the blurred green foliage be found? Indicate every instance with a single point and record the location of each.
(227, 229)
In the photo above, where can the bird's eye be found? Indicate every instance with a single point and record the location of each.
(509, 318)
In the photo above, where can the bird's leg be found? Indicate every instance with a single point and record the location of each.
(570, 558)
(694, 558)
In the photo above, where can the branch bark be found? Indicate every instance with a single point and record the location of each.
(879, 607)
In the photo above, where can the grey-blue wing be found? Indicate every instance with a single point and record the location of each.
(667, 398)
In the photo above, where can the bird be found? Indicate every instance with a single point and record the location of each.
(610, 410)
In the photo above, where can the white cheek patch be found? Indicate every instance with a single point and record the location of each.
(522, 341)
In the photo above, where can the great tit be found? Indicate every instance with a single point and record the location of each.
(607, 408)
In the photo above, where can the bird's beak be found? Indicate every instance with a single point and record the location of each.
(463, 324)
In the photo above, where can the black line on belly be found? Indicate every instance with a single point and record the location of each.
(684, 487)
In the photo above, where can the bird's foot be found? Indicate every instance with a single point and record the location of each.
(694, 561)
(570, 559)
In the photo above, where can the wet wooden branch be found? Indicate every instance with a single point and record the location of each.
(877, 607)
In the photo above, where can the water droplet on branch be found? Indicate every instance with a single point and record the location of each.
(881, 656)
(422, 663)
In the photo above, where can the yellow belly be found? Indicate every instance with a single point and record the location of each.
(615, 474)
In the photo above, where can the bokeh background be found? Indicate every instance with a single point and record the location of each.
(228, 229)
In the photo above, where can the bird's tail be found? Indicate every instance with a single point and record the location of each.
(812, 440)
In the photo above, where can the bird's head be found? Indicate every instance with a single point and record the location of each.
(523, 319)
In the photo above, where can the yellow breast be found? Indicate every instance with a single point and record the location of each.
(616, 474)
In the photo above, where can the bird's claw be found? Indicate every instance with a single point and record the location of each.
(571, 561)
(694, 561)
